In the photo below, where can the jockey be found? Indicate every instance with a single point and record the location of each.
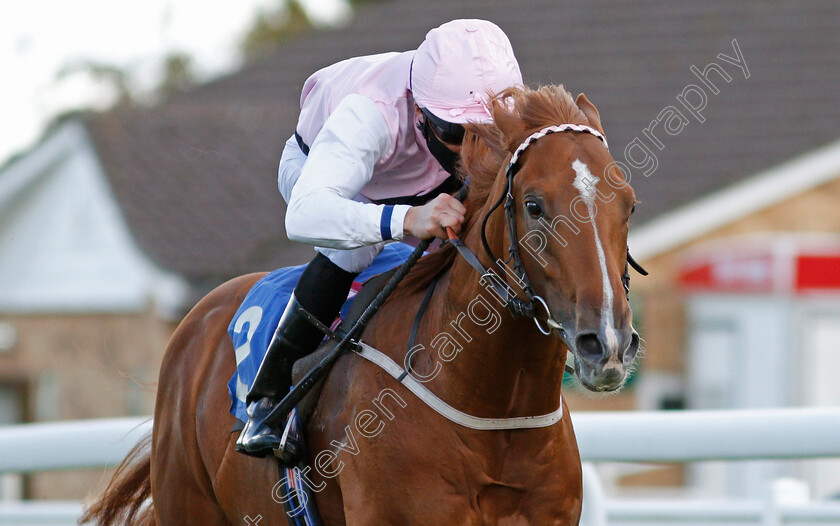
(372, 161)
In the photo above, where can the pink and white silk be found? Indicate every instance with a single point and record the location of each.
(407, 167)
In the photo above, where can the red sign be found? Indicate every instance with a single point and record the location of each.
(763, 270)
(730, 273)
(815, 273)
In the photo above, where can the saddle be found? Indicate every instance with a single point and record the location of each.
(370, 289)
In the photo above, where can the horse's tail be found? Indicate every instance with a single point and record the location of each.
(128, 498)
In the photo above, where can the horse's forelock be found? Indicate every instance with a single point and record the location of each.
(517, 113)
(547, 106)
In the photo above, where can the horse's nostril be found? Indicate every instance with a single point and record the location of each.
(633, 348)
(589, 347)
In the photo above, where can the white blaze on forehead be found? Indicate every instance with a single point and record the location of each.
(585, 182)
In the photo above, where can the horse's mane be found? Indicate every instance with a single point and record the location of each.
(486, 148)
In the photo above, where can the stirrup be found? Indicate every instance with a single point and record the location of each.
(290, 449)
(260, 437)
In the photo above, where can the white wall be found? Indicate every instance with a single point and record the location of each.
(750, 351)
(64, 245)
(739, 356)
(817, 375)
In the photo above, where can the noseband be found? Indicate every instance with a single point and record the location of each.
(528, 307)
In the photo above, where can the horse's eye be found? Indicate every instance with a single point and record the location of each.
(633, 209)
(534, 208)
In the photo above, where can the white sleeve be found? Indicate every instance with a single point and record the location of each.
(288, 171)
(341, 159)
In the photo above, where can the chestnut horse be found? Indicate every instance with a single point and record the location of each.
(380, 455)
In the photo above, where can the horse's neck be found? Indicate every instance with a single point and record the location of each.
(505, 366)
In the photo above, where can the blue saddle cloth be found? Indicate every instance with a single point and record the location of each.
(254, 323)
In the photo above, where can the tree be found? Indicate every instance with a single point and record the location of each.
(273, 27)
(178, 75)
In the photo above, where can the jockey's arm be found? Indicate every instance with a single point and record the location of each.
(341, 160)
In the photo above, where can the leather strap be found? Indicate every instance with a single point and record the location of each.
(499, 285)
(412, 335)
(302, 145)
(450, 185)
(447, 411)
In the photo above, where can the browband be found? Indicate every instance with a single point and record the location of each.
(554, 129)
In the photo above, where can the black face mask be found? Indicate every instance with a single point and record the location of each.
(446, 157)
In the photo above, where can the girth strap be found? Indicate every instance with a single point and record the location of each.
(447, 411)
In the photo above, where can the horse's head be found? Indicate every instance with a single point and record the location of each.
(571, 205)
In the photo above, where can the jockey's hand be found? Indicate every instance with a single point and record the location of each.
(431, 219)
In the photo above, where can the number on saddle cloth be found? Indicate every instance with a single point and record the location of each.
(253, 325)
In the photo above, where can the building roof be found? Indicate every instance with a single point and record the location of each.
(717, 209)
(196, 176)
(198, 187)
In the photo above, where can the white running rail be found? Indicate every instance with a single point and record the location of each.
(75, 444)
(668, 436)
(688, 436)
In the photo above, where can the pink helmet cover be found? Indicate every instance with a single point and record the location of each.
(458, 65)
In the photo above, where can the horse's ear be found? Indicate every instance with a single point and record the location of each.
(591, 112)
(512, 127)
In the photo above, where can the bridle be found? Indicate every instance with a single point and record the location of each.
(533, 303)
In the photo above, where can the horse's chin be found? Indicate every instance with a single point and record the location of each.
(605, 381)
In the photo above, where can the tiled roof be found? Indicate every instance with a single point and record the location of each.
(196, 176)
(198, 187)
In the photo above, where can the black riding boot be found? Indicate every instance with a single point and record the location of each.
(321, 291)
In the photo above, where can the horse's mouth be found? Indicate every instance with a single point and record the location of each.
(606, 381)
(606, 388)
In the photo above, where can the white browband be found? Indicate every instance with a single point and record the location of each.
(555, 129)
(447, 411)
